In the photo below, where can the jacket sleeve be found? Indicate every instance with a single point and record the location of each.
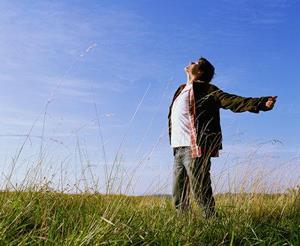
(240, 104)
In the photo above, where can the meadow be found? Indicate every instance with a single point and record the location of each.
(45, 217)
(40, 210)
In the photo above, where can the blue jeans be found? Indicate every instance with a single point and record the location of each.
(192, 174)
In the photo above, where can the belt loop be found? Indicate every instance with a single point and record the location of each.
(174, 151)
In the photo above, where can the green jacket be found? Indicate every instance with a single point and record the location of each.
(208, 101)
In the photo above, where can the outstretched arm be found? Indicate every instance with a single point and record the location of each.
(241, 104)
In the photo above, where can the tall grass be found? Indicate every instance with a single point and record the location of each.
(42, 211)
(45, 217)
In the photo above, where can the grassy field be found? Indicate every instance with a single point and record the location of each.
(49, 218)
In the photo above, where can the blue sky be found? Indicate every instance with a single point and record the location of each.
(104, 73)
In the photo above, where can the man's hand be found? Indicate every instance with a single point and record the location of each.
(271, 102)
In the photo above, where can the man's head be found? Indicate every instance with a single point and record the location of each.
(202, 70)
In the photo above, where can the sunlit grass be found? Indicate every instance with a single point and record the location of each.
(43, 217)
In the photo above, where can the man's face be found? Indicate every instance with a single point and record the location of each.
(193, 69)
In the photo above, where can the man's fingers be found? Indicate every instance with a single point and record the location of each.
(273, 98)
(271, 102)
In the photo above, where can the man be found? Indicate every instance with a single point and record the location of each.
(195, 132)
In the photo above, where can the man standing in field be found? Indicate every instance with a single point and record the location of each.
(195, 132)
